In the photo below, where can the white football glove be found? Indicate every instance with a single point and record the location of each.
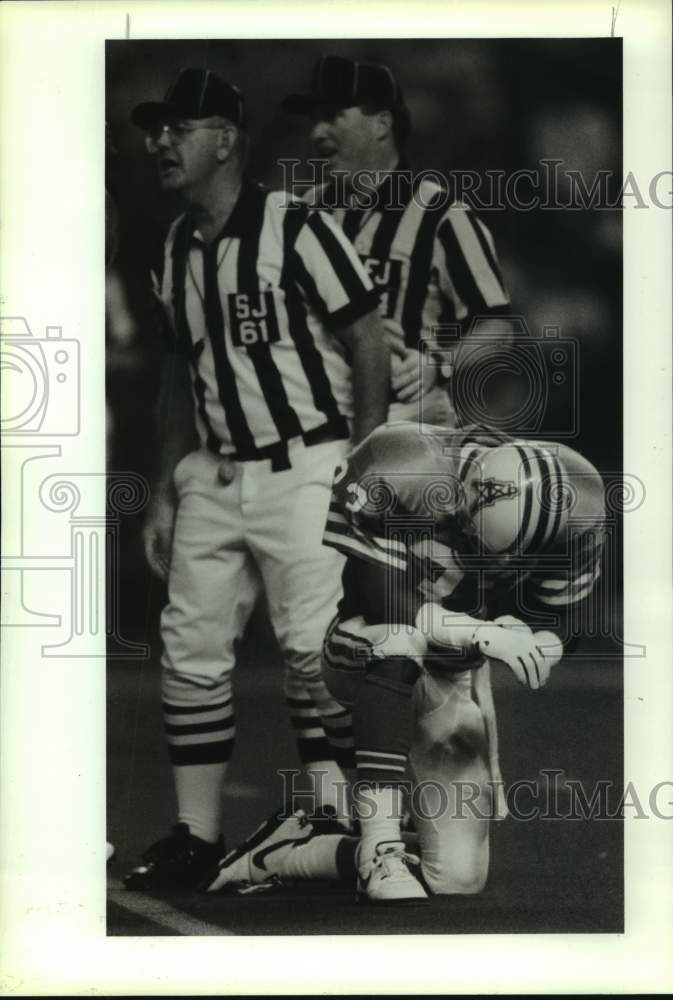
(509, 621)
(529, 655)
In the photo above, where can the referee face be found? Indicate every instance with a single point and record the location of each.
(347, 138)
(186, 155)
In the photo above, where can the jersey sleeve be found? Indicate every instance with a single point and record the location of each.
(380, 594)
(555, 595)
(383, 593)
(330, 273)
(356, 533)
(564, 587)
(466, 265)
(356, 523)
(382, 496)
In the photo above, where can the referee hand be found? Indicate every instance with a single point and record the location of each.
(411, 377)
(158, 535)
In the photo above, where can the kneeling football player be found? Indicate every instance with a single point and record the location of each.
(464, 548)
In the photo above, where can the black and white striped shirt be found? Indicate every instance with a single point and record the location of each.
(255, 312)
(431, 259)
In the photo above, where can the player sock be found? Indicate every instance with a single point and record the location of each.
(382, 720)
(317, 858)
(311, 739)
(338, 725)
(379, 809)
(322, 733)
(382, 727)
(329, 787)
(199, 793)
(325, 744)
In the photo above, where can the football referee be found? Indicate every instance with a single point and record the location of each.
(432, 261)
(277, 360)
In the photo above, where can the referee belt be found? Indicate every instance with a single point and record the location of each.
(278, 452)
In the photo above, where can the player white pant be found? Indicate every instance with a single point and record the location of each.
(456, 777)
(456, 781)
(263, 529)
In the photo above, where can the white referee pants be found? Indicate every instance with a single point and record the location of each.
(263, 529)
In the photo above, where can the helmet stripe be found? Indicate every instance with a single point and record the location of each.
(556, 498)
(544, 513)
(466, 462)
(536, 518)
(519, 541)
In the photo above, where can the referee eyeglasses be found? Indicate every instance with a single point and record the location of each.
(176, 132)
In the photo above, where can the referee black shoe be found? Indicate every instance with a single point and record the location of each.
(180, 861)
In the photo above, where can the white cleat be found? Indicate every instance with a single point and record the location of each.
(109, 851)
(392, 876)
(262, 855)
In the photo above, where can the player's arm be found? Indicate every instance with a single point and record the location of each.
(381, 594)
(555, 599)
(529, 655)
(545, 615)
(370, 364)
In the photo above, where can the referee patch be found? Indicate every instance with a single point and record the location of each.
(253, 319)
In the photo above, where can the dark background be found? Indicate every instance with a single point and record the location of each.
(475, 105)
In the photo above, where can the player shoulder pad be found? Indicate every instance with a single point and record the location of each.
(482, 435)
(394, 469)
(401, 444)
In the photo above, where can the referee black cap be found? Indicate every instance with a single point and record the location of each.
(345, 83)
(196, 93)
